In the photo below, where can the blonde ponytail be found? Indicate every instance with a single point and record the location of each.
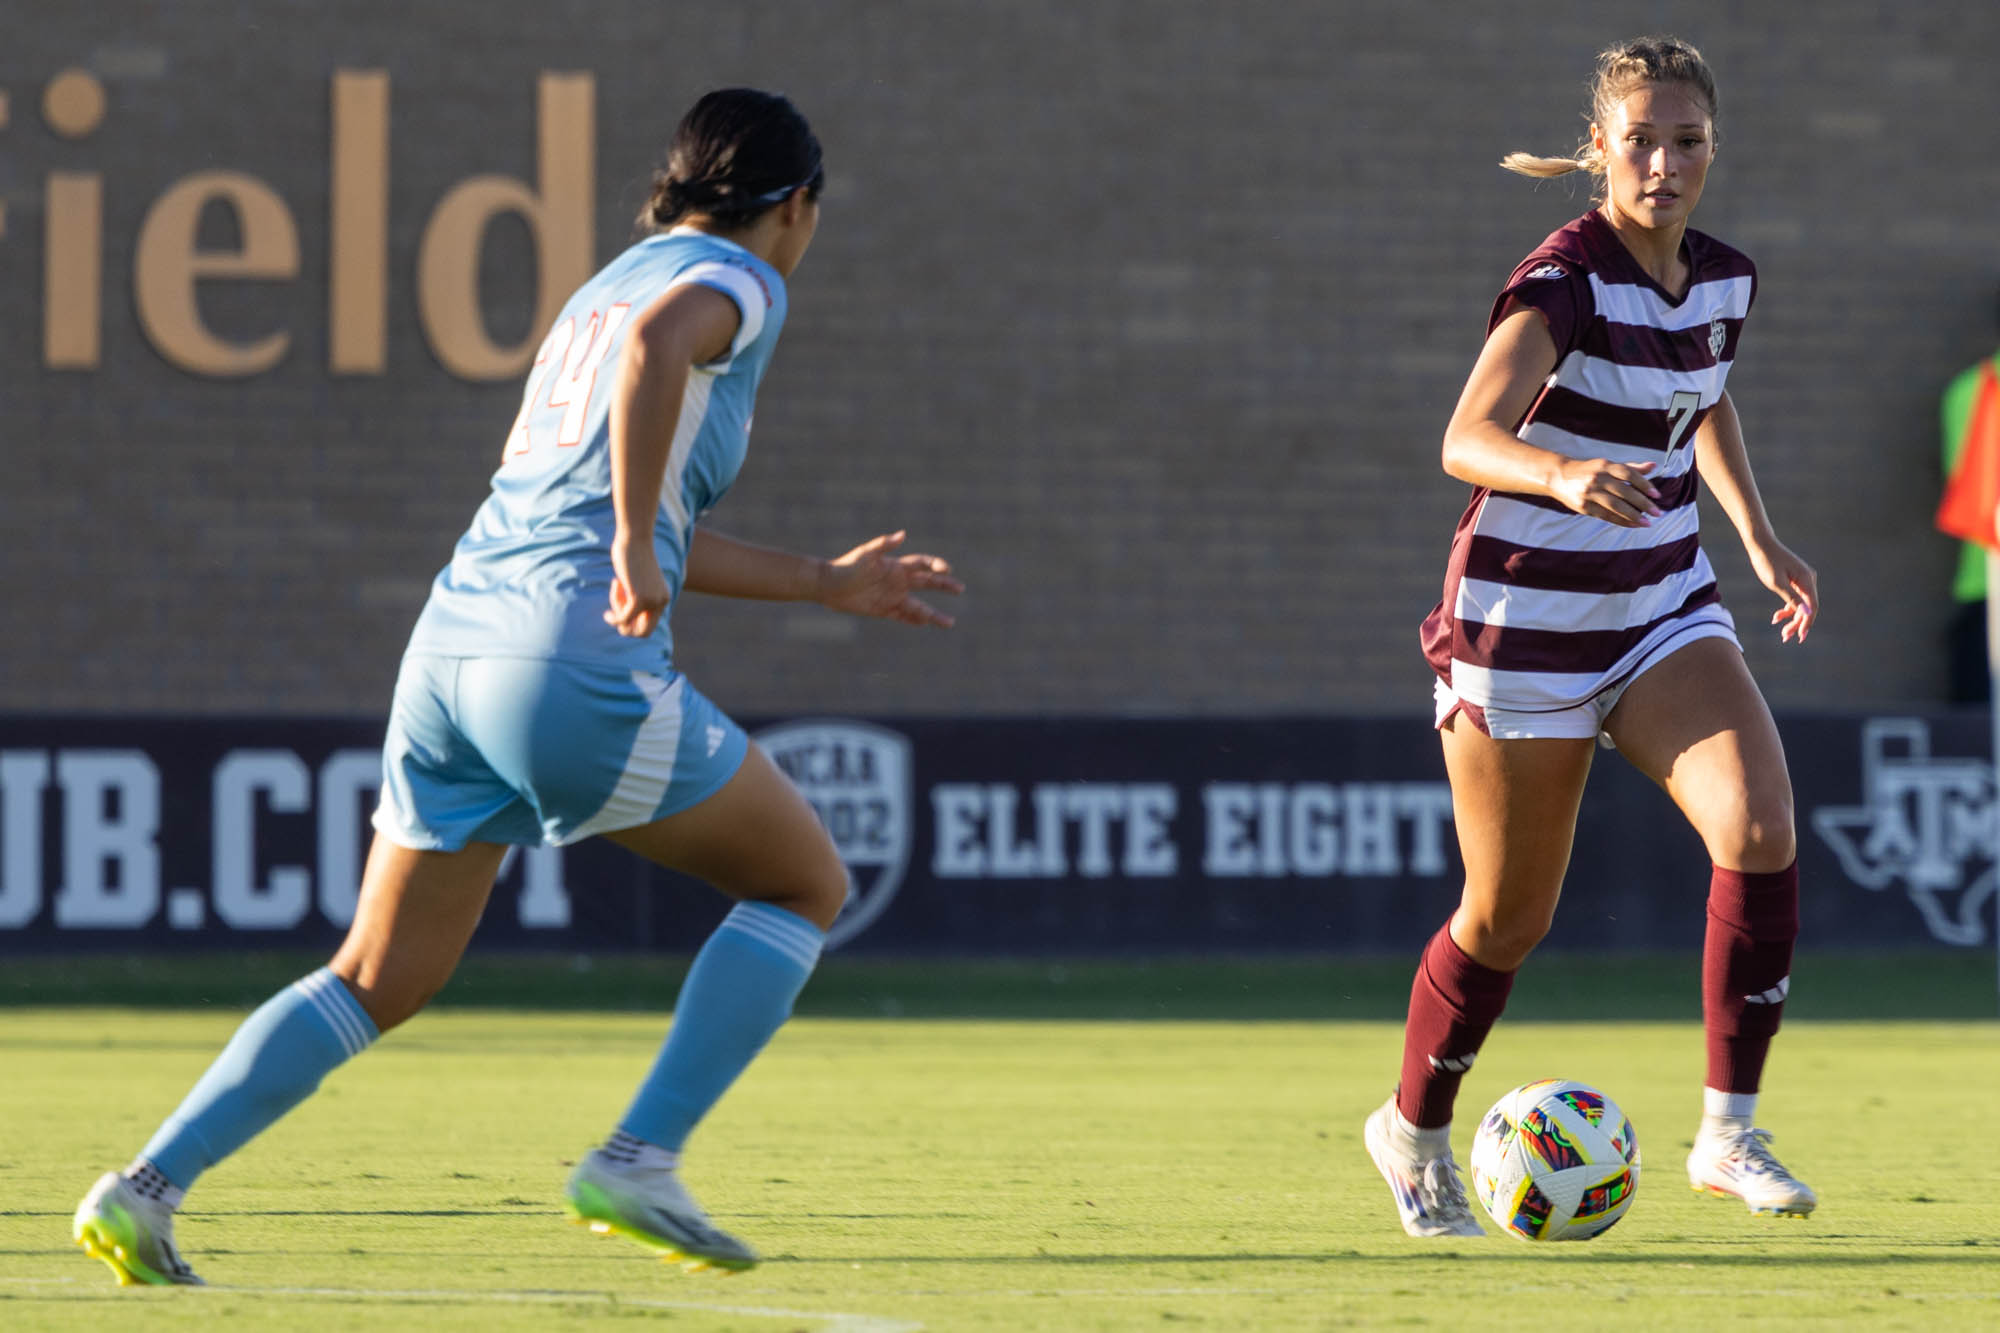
(1621, 70)
(1548, 168)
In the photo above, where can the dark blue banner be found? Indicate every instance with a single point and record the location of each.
(1009, 837)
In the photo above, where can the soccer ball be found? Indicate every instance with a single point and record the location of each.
(1555, 1160)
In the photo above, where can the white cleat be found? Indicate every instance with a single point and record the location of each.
(1430, 1197)
(1740, 1165)
(132, 1234)
(648, 1204)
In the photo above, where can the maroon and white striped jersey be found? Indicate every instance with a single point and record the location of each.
(1543, 607)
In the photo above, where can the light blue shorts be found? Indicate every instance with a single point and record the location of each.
(525, 750)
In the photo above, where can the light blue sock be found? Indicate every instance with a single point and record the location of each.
(739, 991)
(275, 1060)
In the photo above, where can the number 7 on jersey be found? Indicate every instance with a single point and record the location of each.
(1680, 415)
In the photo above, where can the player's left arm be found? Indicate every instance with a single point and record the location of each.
(1725, 467)
(685, 326)
(873, 579)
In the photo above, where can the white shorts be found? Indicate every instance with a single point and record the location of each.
(1580, 721)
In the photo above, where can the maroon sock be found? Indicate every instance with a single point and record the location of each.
(1746, 969)
(1453, 1004)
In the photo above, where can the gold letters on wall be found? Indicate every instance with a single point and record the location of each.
(72, 271)
(559, 217)
(559, 210)
(357, 316)
(168, 265)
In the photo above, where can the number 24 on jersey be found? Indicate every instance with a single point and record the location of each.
(575, 361)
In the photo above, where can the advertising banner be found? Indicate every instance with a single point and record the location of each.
(1080, 836)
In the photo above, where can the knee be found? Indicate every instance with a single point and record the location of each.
(1501, 938)
(819, 891)
(1759, 838)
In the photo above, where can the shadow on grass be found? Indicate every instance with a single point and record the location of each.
(202, 1214)
(1942, 1253)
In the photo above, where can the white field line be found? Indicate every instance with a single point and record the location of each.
(829, 1321)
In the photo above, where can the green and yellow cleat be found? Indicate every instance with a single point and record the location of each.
(133, 1235)
(650, 1206)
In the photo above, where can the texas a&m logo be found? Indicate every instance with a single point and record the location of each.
(1927, 822)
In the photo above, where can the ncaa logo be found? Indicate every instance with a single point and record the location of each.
(857, 778)
(1927, 822)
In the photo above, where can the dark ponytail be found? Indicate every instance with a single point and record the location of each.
(738, 153)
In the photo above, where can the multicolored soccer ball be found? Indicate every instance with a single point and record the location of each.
(1555, 1160)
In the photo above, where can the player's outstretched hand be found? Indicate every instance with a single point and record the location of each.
(1795, 583)
(872, 580)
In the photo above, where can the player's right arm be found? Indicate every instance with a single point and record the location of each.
(1480, 446)
(688, 326)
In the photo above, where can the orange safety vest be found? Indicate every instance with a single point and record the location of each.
(1971, 505)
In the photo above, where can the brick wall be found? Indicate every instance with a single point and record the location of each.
(1147, 314)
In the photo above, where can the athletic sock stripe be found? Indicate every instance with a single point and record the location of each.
(308, 988)
(334, 1002)
(785, 925)
(801, 944)
(350, 1023)
(803, 955)
(346, 1002)
(1775, 995)
(778, 918)
(792, 941)
(342, 1024)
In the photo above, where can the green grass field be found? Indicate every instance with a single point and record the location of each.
(1010, 1147)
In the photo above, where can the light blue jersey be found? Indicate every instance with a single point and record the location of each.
(519, 715)
(532, 576)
